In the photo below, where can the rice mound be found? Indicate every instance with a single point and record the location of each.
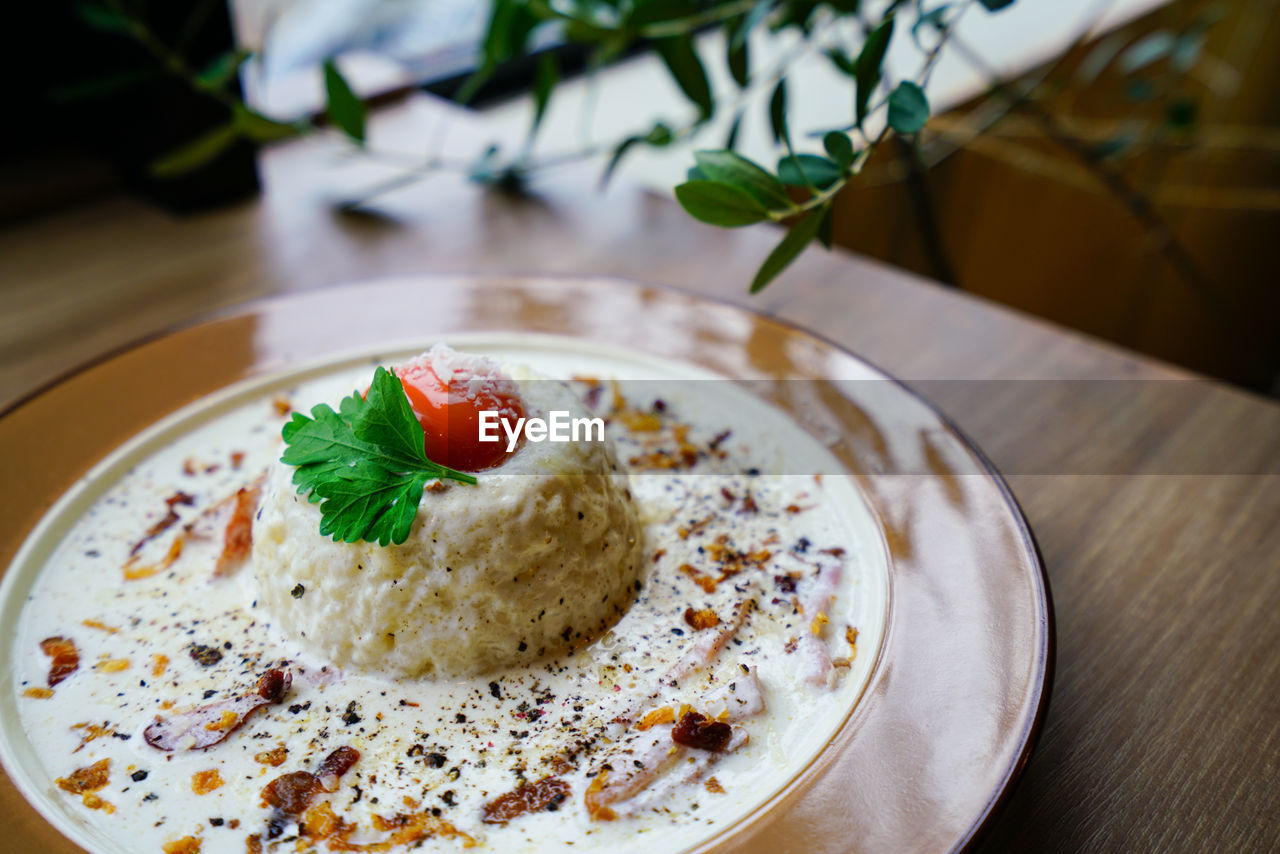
(538, 557)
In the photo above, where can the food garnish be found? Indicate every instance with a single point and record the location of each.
(207, 725)
(365, 464)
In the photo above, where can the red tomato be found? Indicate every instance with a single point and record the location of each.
(451, 422)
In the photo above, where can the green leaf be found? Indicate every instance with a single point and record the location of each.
(778, 113)
(1146, 50)
(686, 68)
(867, 65)
(739, 61)
(731, 141)
(365, 464)
(658, 136)
(758, 13)
(196, 153)
(800, 236)
(995, 5)
(842, 62)
(507, 36)
(648, 12)
(693, 173)
(719, 204)
(824, 229)
(725, 167)
(343, 108)
(104, 19)
(936, 18)
(840, 147)
(216, 74)
(908, 108)
(259, 128)
(472, 85)
(544, 82)
(803, 170)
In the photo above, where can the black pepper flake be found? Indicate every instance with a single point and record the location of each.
(677, 631)
(350, 717)
(454, 773)
(436, 760)
(495, 691)
(523, 646)
(216, 822)
(138, 776)
(297, 591)
(209, 693)
(152, 797)
(580, 516)
(460, 718)
(205, 656)
(447, 797)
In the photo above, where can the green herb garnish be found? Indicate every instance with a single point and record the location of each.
(365, 463)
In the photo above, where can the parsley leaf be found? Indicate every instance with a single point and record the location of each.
(365, 463)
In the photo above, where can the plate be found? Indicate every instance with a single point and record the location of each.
(959, 686)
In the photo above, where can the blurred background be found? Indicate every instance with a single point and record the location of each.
(1111, 166)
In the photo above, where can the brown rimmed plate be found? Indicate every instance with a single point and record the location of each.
(961, 683)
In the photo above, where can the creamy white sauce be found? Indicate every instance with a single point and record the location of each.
(515, 722)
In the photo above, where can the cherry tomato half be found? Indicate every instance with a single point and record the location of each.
(451, 420)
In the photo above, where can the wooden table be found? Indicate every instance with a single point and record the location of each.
(1155, 497)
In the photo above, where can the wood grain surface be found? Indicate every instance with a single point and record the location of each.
(1155, 496)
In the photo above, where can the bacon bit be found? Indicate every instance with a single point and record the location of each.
(640, 422)
(282, 406)
(66, 659)
(92, 732)
(237, 459)
(695, 527)
(408, 829)
(591, 799)
(239, 534)
(795, 509)
(185, 845)
(274, 757)
(158, 664)
(89, 779)
(790, 646)
(851, 635)
(836, 552)
(818, 622)
(703, 618)
(112, 665)
(546, 795)
(170, 518)
(133, 572)
(706, 582)
(749, 506)
(664, 715)
(227, 721)
(290, 795)
(94, 802)
(190, 730)
(657, 556)
(38, 693)
(594, 388)
(253, 844)
(204, 782)
(189, 466)
(94, 624)
(713, 786)
(654, 460)
(719, 439)
(697, 730)
(321, 822)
